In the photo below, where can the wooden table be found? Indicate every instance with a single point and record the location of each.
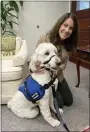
(83, 60)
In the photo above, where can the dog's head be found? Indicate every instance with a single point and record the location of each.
(44, 57)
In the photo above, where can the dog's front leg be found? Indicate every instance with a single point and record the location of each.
(45, 110)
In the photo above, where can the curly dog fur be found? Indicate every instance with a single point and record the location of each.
(45, 57)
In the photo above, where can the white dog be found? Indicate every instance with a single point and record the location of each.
(43, 65)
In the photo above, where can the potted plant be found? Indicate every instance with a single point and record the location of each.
(9, 15)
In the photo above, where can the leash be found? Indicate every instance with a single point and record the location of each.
(46, 86)
(57, 109)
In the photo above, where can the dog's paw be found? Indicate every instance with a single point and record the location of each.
(55, 123)
(61, 111)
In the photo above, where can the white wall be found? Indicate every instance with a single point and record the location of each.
(44, 14)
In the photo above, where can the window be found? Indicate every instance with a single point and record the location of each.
(81, 5)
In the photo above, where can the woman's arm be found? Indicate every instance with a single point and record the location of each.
(63, 65)
(65, 57)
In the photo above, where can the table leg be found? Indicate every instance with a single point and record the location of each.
(78, 72)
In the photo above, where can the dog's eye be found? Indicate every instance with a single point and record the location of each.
(47, 53)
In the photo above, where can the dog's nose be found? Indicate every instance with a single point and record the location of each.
(58, 63)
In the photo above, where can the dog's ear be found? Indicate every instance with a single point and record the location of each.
(34, 63)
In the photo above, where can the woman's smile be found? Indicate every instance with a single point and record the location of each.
(66, 29)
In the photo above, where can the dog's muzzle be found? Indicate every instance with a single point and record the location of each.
(57, 62)
(48, 60)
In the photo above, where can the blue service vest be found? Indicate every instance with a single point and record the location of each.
(31, 89)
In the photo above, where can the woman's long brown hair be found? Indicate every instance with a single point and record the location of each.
(70, 43)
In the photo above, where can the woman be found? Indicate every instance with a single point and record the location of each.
(64, 35)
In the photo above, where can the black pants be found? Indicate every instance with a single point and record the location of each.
(63, 94)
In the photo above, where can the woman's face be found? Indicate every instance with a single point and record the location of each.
(66, 29)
